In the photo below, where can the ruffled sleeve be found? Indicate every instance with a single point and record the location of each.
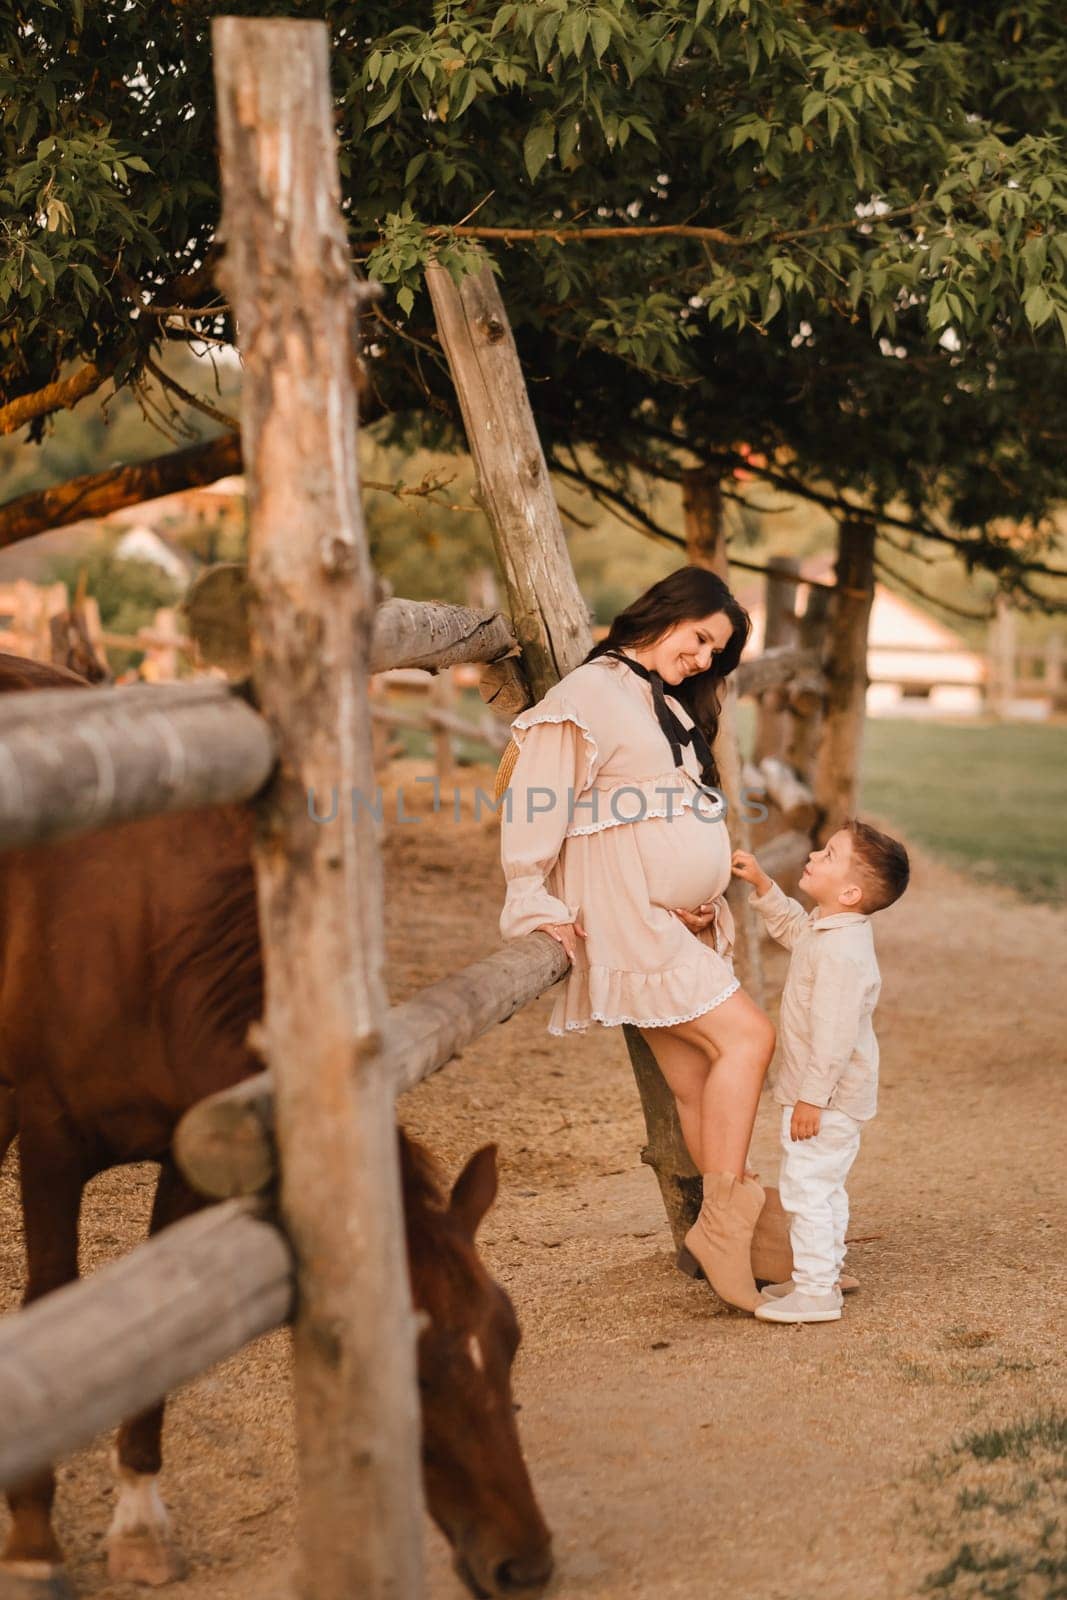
(558, 758)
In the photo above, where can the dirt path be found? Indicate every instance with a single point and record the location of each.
(682, 1451)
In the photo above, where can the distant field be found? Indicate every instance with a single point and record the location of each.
(990, 798)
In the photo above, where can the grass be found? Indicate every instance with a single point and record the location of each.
(988, 798)
(996, 1498)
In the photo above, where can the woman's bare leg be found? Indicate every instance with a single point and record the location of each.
(685, 1068)
(736, 1040)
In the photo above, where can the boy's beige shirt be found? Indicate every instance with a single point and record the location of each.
(827, 1051)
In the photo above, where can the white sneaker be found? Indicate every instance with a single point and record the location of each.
(795, 1306)
(775, 1291)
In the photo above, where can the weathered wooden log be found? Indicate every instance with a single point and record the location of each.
(487, 732)
(680, 1184)
(76, 759)
(753, 781)
(287, 274)
(426, 633)
(783, 858)
(835, 780)
(807, 694)
(225, 1145)
(82, 1359)
(790, 794)
(705, 535)
(406, 633)
(774, 668)
(780, 631)
(503, 686)
(550, 618)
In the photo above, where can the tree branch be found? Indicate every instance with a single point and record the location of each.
(58, 396)
(930, 599)
(98, 493)
(667, 230)
(189, 398)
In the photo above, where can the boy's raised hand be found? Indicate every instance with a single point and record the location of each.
(747, 867)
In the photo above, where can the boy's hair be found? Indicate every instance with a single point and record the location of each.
(886, 869)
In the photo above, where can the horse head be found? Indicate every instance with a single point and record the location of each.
(477, 1486)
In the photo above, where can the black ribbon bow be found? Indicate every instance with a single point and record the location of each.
(677, 733)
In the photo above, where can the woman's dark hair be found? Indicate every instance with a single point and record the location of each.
(684, 596)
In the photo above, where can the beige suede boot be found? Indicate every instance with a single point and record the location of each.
(720, 1241)
(772, 1253)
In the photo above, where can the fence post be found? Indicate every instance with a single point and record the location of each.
(1000, 676)
(550, 618)
(837, 760)
(287, 275)
(780, 628)
(705, 537)
(1054, 675)
(806, 700)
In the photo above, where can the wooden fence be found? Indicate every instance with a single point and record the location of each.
(322, 1119)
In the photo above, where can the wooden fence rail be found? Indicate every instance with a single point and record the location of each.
(225, 1144)
(88, 1356)
(72, 760)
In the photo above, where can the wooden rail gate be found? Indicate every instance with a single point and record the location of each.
(322, 1117)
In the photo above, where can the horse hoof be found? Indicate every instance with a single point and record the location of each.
(34, 1580)
(142, 1558)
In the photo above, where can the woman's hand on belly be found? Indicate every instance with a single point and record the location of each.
(699, 920)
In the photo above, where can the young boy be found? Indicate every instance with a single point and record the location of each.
(827, 1079)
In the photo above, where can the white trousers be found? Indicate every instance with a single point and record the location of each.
(812, 1186)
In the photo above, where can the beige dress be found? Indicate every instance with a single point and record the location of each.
(599, 827)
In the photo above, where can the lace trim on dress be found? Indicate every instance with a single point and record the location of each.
(592, 755)
(648, 1022)
(710, 810)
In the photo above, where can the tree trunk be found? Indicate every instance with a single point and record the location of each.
(837, 763)
(287, 274)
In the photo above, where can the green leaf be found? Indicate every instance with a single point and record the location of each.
(537, 146)
(386, 109)
(405, 299)
(414, 167)
(600, 33)
(814, 102)
(1037, 306)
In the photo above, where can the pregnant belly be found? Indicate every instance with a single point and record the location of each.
(686, 860)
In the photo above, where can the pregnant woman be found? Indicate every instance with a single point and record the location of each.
(614, 842)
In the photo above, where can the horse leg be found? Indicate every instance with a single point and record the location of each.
(140, 1547)
(52, 1175)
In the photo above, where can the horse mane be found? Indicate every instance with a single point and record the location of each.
(424, 1184)
(210, 967)
(20, 672)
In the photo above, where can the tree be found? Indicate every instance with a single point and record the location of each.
(674, 191)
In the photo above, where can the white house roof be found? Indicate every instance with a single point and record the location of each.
(903, 642)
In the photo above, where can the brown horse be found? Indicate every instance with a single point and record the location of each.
(130, 972)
